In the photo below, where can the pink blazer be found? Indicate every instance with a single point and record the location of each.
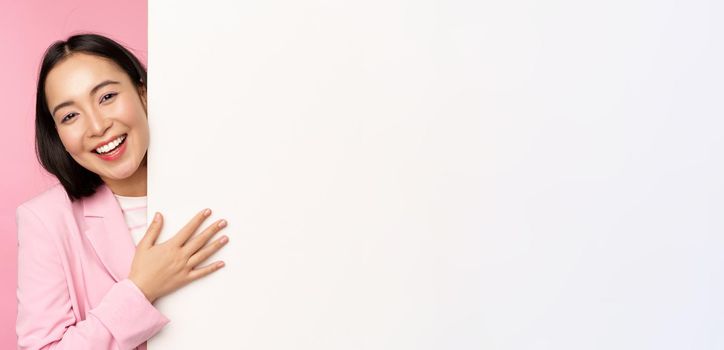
(73, 263)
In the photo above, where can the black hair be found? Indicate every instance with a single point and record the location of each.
(78, 181)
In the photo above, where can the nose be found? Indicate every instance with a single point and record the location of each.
(98, 124)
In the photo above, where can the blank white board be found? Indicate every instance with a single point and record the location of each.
(451, 174)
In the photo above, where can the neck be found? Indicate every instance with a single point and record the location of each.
(133, 186)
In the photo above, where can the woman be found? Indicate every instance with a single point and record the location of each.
(88, 270)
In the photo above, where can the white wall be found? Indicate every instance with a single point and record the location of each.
(405, 174)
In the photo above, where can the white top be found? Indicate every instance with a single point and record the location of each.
(134, 211)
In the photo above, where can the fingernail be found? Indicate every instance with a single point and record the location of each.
(224, 239)
(222, 223)
(156, 217)
(221, 264)
(207, 212)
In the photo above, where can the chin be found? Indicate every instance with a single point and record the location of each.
(121, 172)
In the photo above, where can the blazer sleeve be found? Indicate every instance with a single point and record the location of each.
(122, 320)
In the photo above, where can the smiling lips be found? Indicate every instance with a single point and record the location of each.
(116, 153)
(104, 147)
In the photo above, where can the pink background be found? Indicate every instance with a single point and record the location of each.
(28, 28)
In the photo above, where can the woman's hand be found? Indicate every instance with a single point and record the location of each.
(160, 269)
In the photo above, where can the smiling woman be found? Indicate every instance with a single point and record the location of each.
(88, 269)
(95, 92)
(100, 104)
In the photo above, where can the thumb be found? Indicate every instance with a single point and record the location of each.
(154, 230)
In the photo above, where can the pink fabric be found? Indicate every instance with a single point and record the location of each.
(73, 263)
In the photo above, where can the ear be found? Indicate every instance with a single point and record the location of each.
(142, 94)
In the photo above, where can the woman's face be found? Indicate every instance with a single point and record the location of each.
(93, 102)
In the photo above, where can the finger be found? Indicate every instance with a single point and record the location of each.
(207, 251)
(190, 228)
(203, 271)
(197, 242)
(153, 231)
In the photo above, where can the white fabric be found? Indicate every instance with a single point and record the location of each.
(134, 211)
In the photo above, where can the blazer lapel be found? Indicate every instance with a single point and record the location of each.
(108, 233)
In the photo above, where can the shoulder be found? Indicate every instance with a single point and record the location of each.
(52, 199)
(47, 217)
(48, 209)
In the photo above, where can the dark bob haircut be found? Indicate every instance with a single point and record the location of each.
(78, 181)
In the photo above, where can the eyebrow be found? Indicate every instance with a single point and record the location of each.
(93, 91)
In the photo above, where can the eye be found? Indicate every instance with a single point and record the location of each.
(67, 117)
(108, 96)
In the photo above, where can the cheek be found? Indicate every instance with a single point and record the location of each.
(127, 111)
(133, 116)
(72, 141)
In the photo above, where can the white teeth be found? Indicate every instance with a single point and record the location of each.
(111, 146)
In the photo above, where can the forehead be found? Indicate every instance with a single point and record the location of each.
(77, 74)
